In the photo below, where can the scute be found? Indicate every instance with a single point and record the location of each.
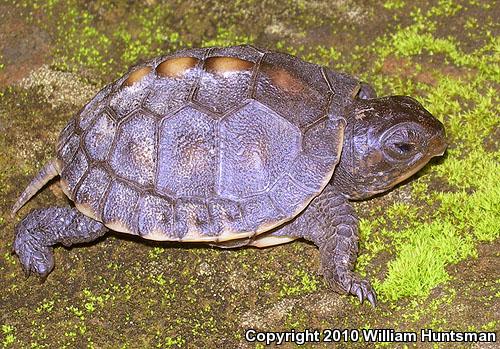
(245, 52)
(176, 67)
(295, 89)
(129, 97)
(193, 213)
(68, 149)
(206, 144)
(311, 171)
(288, 195)
(92, 189)
(155, 215)
(322, 139)
(256, 146)
(120, 206)
(99, 137)
(168, 94)
(72, 173)
(134, 154)
(260, 214)
(93, 108)
(344, 89)
(187, 154)
(225, 84)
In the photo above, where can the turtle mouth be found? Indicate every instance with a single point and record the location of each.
(410, 173)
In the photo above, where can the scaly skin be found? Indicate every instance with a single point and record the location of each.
(331, 224)
(43, 228)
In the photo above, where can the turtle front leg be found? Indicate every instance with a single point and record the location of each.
(43, 228)
(331, 224)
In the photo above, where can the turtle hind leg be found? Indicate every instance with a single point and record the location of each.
(41, 229)
(49, 171)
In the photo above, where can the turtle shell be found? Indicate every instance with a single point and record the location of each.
(206, 144)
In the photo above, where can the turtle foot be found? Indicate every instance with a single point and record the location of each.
(35, 257)
(363, 290)
(41, 229)
(351, 283)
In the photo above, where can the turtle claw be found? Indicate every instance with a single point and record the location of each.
(363, 290)
(359, 293)
(372, 298)
(350, 283)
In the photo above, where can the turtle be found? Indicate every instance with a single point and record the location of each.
(229, 146)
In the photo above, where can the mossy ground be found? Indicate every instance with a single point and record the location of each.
(430, 246)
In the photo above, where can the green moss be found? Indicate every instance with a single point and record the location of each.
(9, 336)
(422, 255)
(170, 342)
(304, 283)
(468, 105)
(226, 37)
(394, 4)
(146, 34)
(80, 44)
(327, 56)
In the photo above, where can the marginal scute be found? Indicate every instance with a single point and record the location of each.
(92, 189)
(136, 76)
(126, 101)
(244, 52)
(261, 214)
(66, 133)
(156, 216)
(167, 96)
(73, 172)
(68, 150)
(225, 210)
(344, 88)
(312, 172)
(289, 196)
(176, 67)
(226, 85)
(323, 138)
(221, 65)
(119, 208)
(225, 214)
(94, 108)
(195, 215)
(99, 137)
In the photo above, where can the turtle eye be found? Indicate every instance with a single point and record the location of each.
(401, 150)
(403, 142)
(404, 148)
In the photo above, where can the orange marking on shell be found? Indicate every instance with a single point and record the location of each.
(227, 65)
(136, 76)
(176, 67)
(283, 79)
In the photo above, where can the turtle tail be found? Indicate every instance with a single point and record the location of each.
(49, 171)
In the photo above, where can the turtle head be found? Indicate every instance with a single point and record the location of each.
(386, 141)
